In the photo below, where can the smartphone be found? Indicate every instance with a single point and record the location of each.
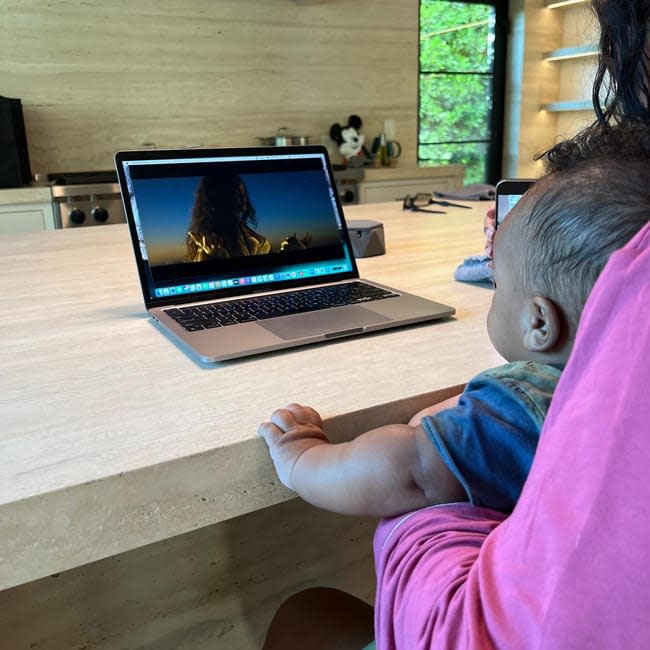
(508, 192)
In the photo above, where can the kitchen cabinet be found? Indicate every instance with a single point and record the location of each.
(27, 209)
(394, 183)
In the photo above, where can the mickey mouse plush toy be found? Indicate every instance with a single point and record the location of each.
(350, 140)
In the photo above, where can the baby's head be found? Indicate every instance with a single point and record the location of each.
(555, 242)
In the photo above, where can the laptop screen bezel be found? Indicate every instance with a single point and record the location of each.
(226, 152)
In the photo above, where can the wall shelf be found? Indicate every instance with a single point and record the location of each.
(556, 4)
(577, 52)
(562, 107)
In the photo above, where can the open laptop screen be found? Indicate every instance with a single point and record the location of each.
(222, 223)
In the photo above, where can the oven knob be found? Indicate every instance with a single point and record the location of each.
(77, 216)
(100, 214)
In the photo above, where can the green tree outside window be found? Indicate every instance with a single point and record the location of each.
(457, 86)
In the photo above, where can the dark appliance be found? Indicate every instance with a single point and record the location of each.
(15, 170)
(86, 199)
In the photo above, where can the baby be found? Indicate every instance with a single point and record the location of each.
(547, 256)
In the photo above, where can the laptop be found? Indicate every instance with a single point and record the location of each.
(242, 251)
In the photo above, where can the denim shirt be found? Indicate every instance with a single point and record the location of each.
(489, 439)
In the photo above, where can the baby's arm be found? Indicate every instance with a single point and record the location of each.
(449, 403)
(382, 472)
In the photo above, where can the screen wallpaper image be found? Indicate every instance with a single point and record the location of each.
(219, 217)
(506, 203)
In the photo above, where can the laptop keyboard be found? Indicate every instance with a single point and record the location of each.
(221, 314)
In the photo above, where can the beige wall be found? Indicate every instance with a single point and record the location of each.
(99, 76)
(577, 77)
(540, 30)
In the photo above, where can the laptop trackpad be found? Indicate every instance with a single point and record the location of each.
(338, 321)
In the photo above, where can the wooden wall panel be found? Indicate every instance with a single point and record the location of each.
(536, 82)
(579, 25)
(576, 78)
(569, 123)
(543, 32)
(95, 77)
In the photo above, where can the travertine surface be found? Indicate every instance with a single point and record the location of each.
(112, 438)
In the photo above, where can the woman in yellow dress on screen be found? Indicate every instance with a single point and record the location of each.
(219, 225)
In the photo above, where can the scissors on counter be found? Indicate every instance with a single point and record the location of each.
(418, 202)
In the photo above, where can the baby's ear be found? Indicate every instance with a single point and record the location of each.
(542, 324)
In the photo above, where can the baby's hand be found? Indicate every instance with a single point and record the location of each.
(291, 431)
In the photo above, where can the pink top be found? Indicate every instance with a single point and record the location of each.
(570, 568)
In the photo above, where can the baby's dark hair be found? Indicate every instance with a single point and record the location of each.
(595, 194)
(593, 199)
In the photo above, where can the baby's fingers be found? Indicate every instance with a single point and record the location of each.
(284, 419)
(304, 414)
(286, 426)
(269, 432)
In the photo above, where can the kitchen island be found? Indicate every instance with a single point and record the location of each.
(134, 475)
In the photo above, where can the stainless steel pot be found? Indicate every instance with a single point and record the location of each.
(284, 139)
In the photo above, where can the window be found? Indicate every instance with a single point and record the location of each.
(461, 85)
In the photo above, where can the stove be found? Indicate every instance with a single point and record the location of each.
(84, 199)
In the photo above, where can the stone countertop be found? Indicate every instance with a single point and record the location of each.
(113, 438)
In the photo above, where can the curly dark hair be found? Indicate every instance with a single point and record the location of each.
(220, 207)
(621, 87)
